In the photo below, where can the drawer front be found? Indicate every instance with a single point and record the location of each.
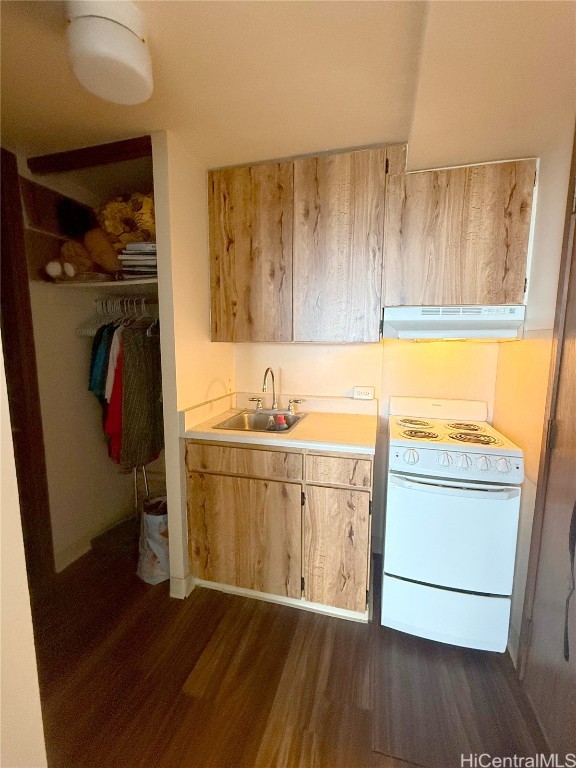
(459, 618)
(278, 465)
(339, 470)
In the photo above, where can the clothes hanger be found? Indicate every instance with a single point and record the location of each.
(90, 327)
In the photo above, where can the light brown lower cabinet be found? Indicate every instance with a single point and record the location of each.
(335, 541)
(292, 523)
(245, 532)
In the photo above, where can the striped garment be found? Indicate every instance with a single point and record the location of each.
(142, 419)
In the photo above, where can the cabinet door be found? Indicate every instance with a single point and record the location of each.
(458, 236)
(336, 540)
(338, 231)
(250, 210)
(245, 532)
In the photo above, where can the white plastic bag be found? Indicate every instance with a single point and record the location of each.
(154, 562)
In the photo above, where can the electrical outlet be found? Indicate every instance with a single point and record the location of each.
(363, 393)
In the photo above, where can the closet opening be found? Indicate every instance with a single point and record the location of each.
(88, 444)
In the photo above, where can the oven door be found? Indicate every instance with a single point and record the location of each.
(455, 534)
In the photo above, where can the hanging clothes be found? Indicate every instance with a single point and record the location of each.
(99, 360)
(114, 417)
(142, 421)
(125, 376)
(112, 360)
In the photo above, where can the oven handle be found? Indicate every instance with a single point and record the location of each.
(498, 494)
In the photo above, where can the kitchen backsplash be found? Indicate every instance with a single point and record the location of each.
(458, 369)
(324, 376)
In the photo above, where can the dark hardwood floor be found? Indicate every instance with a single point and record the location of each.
(131, 678)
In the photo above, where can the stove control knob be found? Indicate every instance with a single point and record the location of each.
(503, 465)
(411, 456)
(444, 459)
(464, 461)
(483, 463)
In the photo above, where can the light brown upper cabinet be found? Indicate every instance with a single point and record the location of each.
(296, 247)
(459, 235)
(338, 236)
(250, 209)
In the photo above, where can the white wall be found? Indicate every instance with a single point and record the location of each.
(448, 369)
(521, 387)
(193, 369)
(436, 369)
(309, 369)
(22, 736)
(204, 370)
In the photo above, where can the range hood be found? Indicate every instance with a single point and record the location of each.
(463, 322)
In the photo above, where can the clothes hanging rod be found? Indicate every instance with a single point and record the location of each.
(119, 309)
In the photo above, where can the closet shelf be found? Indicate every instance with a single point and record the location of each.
(45, 232)
(106, 283)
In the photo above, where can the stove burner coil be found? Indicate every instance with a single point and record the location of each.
(470, 437)
(414, 422)
(464, 426)
(419, 434)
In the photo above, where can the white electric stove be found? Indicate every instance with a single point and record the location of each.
(452, 511)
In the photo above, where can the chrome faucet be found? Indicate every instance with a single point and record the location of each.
(265, 387)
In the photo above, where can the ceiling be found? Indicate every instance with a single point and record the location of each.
(240, 80)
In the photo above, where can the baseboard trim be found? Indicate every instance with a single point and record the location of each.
(181, 588)
(513, 645)
(303, 605)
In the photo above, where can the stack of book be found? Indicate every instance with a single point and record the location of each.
(138, 260)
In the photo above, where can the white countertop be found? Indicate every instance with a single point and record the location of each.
(318, 431)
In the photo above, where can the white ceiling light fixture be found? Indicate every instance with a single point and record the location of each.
(108, 49)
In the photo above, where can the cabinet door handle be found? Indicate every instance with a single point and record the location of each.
(455, 489)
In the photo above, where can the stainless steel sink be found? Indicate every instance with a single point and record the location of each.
(261, 421)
